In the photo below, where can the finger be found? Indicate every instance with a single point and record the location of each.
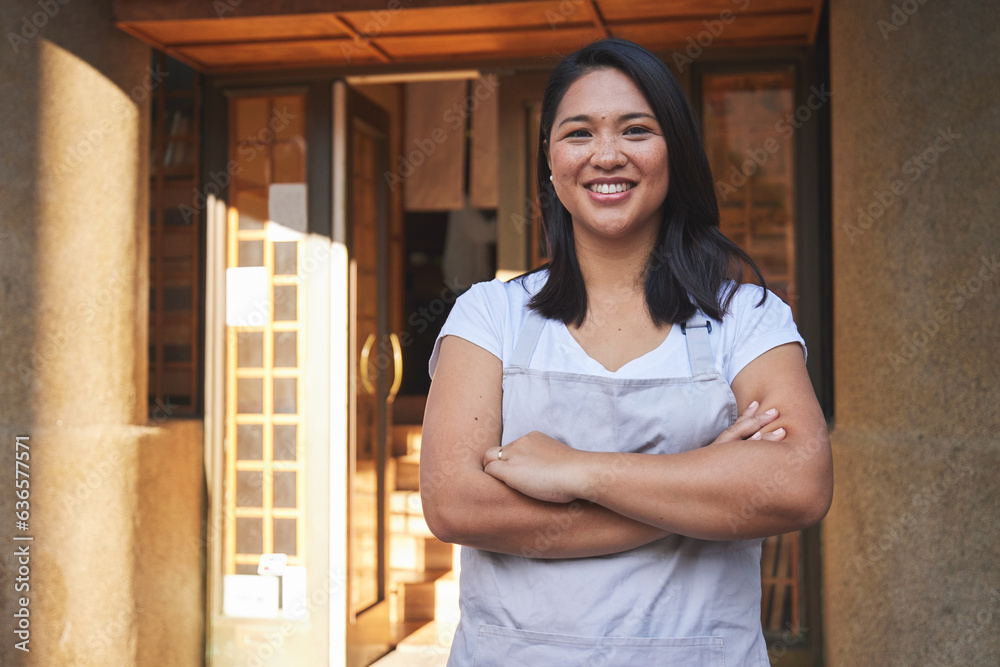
(749, 427)
(759, 421)
(749, 424)
(776, 435)
(492, 454)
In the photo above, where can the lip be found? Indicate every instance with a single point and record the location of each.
(610, 198)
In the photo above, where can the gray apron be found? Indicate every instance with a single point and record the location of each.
(676, 601)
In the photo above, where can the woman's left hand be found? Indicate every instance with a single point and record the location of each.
(538, 466)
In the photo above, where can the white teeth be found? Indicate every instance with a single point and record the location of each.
(607, 189)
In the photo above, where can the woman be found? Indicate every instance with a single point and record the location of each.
(655, 417)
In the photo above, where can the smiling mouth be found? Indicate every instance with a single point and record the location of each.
(610, 188)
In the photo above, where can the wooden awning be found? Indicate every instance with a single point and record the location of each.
(215, 36)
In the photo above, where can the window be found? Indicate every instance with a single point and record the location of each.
(176, 233)
(265, 232)
(750, 128)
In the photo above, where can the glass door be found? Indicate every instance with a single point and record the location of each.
(759, 139)
(373, 370)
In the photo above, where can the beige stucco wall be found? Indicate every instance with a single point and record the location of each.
(910, 545)
(113, 495)
(170, 546)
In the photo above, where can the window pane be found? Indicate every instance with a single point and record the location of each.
(249, 535)
(284, 442)
(284, 537)
(289, 119)
(284, 395)
(249, 488)
(250, 349)
(179, 353)
(250, 395)
(289, 162)
(249, 442)
(252, 210)
(285, 308)
(177, 298)
(284, 488)
(251, 253)
(286, 258)
(285, 352)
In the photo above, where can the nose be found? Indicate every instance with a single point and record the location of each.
(607, 152)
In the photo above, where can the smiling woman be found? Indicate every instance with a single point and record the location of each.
(608, 152)
(601, 461)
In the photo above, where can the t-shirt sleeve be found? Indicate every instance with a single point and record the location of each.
(476, 317)
(758, 329)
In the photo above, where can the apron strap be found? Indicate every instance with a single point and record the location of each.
(699, 348)
(527, 339)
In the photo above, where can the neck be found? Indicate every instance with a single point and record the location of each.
(614, 270)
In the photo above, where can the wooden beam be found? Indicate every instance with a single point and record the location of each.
(144, 37)
(359, 37)
(127, 11)
(599, 21)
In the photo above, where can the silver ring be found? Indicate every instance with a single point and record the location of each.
(500, 454)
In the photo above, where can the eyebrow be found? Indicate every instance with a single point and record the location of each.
(624, 117)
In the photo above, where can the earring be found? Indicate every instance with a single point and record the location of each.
(550, 177)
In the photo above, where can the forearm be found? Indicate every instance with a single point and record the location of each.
(463, 504)
(725, 491)
(479, 511)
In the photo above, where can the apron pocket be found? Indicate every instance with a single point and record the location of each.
(506, 647)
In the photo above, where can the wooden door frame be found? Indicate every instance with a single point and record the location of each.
(377, 120)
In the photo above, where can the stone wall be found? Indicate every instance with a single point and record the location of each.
(909, 547)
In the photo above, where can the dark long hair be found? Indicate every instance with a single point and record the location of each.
(692, 260)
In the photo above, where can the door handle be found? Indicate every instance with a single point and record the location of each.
(365, 352)
(397, 366)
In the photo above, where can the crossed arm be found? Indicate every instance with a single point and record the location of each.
(767, 474)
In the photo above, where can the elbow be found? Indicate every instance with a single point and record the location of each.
(822, 503)
(441, 525)
(814, 502)
(440, 513)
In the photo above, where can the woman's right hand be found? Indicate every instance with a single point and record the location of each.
(750, 425)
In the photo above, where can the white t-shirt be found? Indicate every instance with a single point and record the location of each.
(490, 315)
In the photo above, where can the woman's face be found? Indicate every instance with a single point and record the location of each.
(608, 158)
